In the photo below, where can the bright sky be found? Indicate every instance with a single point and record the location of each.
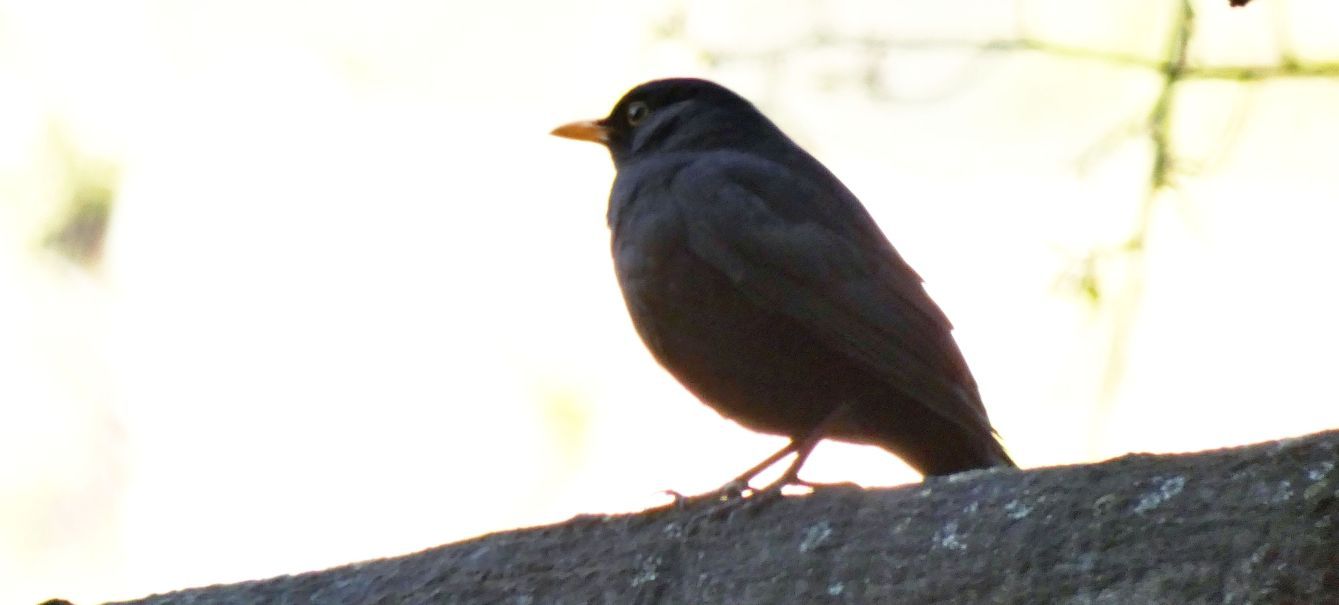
(356, 302)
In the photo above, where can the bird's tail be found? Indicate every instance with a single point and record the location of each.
(934, 445)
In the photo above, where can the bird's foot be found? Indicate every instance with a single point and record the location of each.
(818, 485)
(738, 497)
(752, 504)
(724, 502)
(748, 501)
(775, 490)
(729, 492)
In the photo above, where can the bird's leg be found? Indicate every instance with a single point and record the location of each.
(792, 474)
(734, 488)
(803, 447)
(729, 494)
(741, 482)
(760, 498)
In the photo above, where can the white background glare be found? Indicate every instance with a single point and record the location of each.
(356, 302)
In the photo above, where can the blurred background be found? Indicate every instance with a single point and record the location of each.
(288, 284)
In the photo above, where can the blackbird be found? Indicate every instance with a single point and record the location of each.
(764, 286)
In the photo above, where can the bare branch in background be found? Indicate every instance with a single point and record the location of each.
(1110, 278)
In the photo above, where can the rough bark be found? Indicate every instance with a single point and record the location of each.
(1257, 524)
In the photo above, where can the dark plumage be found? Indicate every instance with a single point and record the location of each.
(762, 284)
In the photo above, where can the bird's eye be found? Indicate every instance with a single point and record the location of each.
(637, 112)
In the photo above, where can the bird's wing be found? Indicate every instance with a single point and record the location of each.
(808, 249)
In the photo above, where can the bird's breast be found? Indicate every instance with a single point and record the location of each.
(750, 363)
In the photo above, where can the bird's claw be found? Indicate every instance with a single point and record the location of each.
(819, 485)
(729, 492)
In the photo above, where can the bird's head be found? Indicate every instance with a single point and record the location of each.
(675, 115)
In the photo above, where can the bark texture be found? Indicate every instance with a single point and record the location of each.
(1257, 524)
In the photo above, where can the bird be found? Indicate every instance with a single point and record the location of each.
(764, 286)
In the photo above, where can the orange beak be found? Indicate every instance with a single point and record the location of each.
(587, 130)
